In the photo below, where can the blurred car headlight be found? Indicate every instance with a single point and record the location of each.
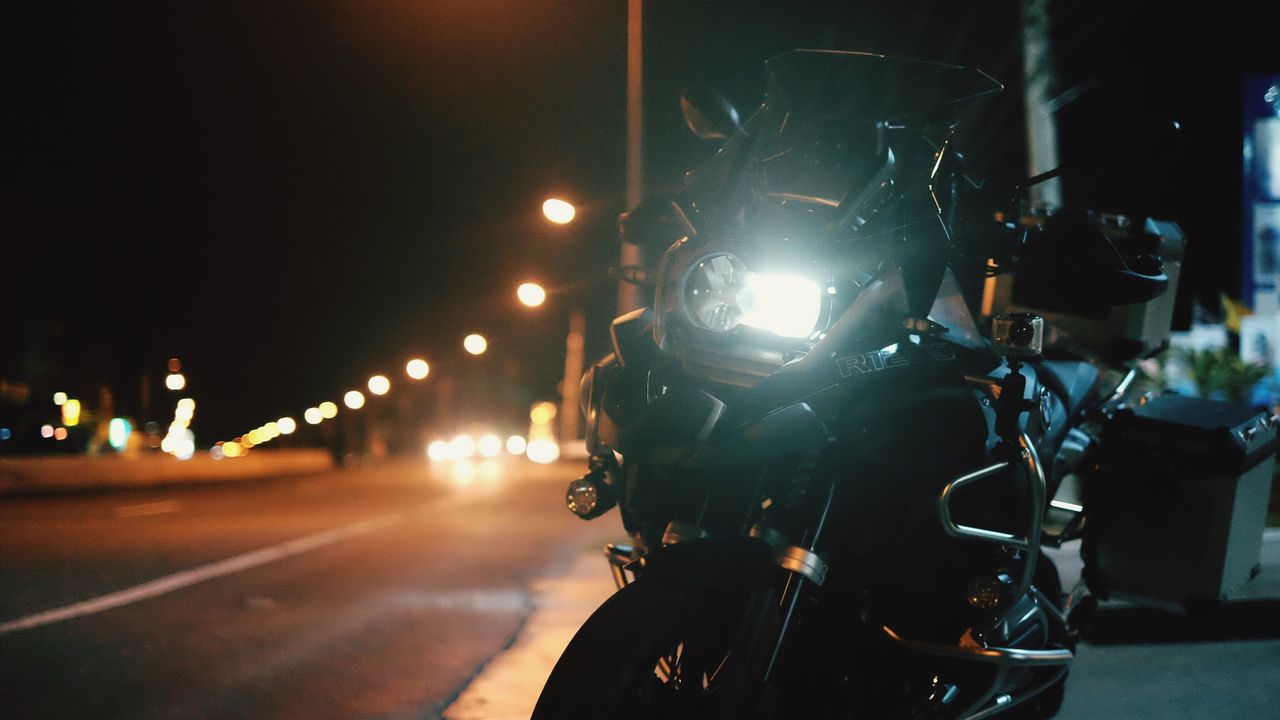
(720, 294)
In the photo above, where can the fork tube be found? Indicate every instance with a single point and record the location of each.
(796, 582)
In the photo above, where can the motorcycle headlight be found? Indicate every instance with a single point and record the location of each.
(720, 294)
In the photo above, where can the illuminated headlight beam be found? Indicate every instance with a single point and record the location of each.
(786, 305)
(720, 294)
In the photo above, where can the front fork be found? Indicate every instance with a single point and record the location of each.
(802, 563)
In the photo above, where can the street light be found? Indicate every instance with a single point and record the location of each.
(328, 410)
(531, 294)
(354, 399)
(287, 425)
(379, 385)
(175, 381)
(417, 369)
(475, 344)
(558, 211)
(313, 416)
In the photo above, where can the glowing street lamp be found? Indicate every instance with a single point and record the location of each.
(379, 385)
(328, 410)
(543, 413)
(417, 369)
(287, 425)
(531, 294)
(313, 416)
(175, 381)
(558, 211)
(59, 398)
(354, 399)
(475, 344)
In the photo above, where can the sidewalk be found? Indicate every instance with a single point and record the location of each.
(80, 473)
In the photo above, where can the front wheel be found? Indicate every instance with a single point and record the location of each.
(656, 649)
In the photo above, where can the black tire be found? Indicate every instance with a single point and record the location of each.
(611, 668)
(1048, 702)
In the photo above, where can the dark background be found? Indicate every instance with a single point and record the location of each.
(290, 196)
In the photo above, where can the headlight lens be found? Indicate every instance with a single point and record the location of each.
(720, 294)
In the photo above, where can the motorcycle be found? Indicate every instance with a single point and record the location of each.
(838, 488)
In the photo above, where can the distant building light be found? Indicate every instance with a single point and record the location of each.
(46, 431)
(71, 412)
(516, 445)
(59, 398)
(175, 365)
(175, 381)
(5, 434)
(118, 431)
(60, 434)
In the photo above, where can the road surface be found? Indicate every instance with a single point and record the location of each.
(372, 593)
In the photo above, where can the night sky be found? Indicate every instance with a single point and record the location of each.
(290, 196)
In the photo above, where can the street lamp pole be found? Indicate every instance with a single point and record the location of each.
(628, 294)
(574, 345)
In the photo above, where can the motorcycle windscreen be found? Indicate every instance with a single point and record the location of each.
(823, 128)
(855, 86)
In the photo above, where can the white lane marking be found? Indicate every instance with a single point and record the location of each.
(251, 559)
(151, 508)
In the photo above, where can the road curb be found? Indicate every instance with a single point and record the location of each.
(508, 686)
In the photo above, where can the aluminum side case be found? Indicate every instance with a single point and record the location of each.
(1176, 515)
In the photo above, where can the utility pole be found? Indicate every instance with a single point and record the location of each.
(1038, 82)
(628, 294)
(574, 345)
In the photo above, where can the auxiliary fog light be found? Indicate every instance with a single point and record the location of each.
(582, 497)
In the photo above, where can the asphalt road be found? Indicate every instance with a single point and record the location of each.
(379, 593)
(371, 593)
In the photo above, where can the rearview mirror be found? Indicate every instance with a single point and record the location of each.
(709, 114)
